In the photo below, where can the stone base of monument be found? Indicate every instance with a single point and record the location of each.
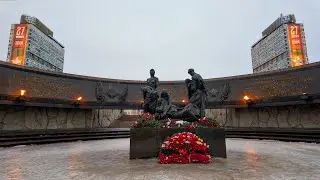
(146, 142)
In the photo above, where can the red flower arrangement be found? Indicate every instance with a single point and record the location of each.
(184, 147)
(148, 120)
(208, 122)
(203, 122)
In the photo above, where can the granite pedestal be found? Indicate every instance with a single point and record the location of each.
(146, 142)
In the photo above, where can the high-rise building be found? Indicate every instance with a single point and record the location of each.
(282, 45)
(31, 44)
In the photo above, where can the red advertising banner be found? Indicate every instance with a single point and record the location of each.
(295, 44)
(19, 44)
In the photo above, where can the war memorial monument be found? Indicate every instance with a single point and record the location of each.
(220, 123)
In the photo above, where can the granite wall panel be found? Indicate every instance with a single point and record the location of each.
(41, 118)
(294, 116)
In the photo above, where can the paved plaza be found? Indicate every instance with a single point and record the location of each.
(109, 159)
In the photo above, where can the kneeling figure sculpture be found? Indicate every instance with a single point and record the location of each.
(163, 108)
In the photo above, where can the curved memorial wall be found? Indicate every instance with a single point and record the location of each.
(284, 98)
(44, 88)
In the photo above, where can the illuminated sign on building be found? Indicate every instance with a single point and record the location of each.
(19, 44)
(295, 44)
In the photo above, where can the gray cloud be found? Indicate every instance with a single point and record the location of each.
(125, 38)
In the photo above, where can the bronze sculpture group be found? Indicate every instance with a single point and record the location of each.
(162, 107)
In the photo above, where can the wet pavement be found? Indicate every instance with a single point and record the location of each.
(109, 159)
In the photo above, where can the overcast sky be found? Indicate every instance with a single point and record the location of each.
(125, 38)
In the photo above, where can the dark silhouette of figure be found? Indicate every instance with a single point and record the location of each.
(153, 81)
(150, 95)
(165, 109)
(197, 91)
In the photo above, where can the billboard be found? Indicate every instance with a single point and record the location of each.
(295, 44)
(19, 44)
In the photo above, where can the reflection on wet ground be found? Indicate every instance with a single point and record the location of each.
(109, 159)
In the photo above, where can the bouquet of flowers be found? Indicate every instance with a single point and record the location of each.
(202, 123)
(172, 123)
(147, 120)
(208, 123)
(184, 147)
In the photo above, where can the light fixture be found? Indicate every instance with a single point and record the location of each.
(247, 99)
(305, 97)
(78, 101)
(183, 101)
(22, 96)
(22, 92)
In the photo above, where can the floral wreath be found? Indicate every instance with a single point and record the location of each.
(147, 120)
(184, 147)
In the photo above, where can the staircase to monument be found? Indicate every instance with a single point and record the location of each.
(125, 121)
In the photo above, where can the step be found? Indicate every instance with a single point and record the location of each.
(54, 140)
(61, 136)
(295, 139)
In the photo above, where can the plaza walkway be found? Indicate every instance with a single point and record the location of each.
(108, 159)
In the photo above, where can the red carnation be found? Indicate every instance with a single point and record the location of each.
(184, 147)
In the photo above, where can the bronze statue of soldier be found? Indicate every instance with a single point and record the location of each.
(197, 91)
(150, 95)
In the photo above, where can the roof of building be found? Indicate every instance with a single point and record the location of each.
(266, 36)
(56, 41)
(258, 41)
(275, 25)
(50, 37)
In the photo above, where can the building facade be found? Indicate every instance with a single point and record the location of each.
(282, 45)
(32, 44)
